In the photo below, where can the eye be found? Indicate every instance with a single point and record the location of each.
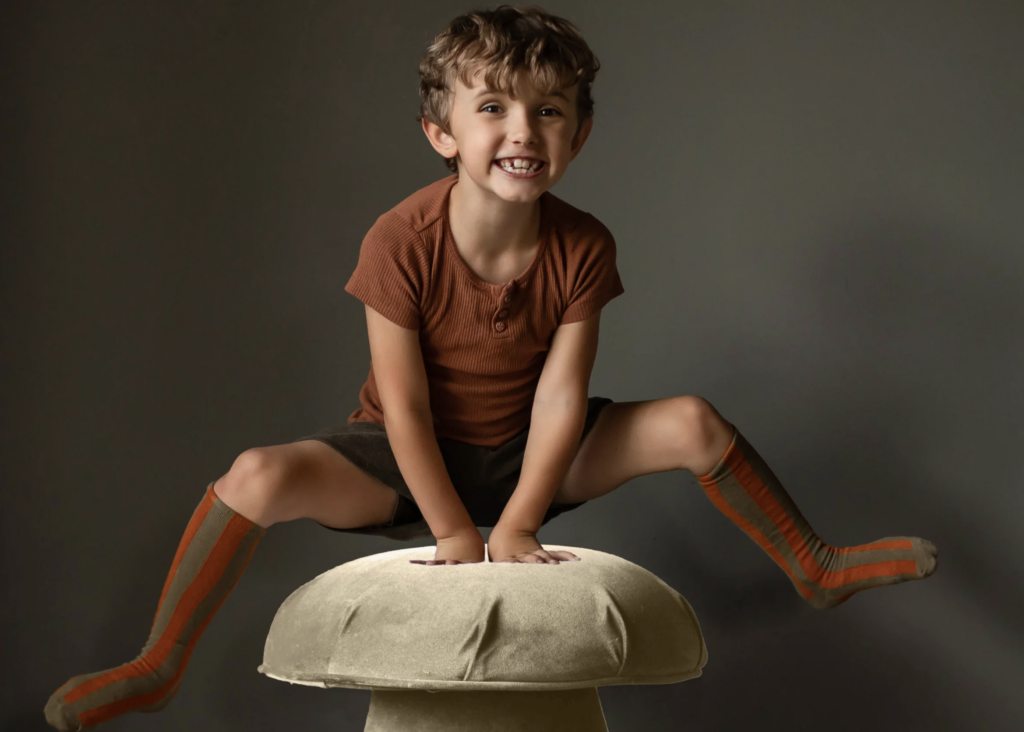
(557, 112)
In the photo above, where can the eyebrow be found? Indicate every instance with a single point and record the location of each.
(486, 92)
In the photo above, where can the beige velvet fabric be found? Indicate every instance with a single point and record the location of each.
(379, 622)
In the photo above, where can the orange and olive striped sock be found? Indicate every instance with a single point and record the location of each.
(211, 557)
(744, 488)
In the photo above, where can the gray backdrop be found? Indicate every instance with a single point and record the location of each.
(818, 210)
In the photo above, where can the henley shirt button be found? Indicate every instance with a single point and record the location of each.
(499, 326)
(506, 299)
(502, 313)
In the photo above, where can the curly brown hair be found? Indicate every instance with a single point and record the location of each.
(503, 42)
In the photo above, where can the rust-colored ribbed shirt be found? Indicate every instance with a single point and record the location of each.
(483, 345)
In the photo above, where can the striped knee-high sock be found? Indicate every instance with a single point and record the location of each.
(211, 557)
(744, 488)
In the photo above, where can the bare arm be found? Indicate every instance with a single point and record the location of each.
(553, 441)
(402, 384)
(559, 414)
(411, 435)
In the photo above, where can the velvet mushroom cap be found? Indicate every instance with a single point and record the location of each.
(381, 623)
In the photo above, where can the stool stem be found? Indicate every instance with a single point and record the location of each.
(471, 711)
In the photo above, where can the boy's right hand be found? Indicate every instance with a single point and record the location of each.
(465, 548)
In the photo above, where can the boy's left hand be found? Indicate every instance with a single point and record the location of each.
(513, 545)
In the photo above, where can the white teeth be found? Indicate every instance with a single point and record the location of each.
(518, 164)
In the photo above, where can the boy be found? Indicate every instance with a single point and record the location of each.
(482, 294)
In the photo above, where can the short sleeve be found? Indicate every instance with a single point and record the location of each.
(593, 275)
(390, 273)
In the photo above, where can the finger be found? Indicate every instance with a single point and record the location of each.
(546, 556)
(565, 556)
(531, 559)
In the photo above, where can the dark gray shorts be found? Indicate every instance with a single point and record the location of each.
(484, 477)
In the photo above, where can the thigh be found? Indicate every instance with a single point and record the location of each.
(309, 479)
(344, 496)
(629, 439)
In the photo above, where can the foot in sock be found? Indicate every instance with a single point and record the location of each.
(210, 559)
(743, 487)
(833, 574)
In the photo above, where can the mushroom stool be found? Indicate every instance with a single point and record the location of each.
(484, 647)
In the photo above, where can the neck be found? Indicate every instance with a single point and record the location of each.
(491, 227)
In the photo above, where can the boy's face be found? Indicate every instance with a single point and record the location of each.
(488, 127)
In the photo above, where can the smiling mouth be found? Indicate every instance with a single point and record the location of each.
(520, 172)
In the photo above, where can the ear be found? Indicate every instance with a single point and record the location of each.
(581, 137)
(440, 140)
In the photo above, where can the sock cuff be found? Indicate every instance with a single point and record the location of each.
(723, 463)
(221, 507)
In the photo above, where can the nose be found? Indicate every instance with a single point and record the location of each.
(522, 127)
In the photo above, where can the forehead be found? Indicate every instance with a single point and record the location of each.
(478, 88)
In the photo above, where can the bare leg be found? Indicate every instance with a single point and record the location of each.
(305, 479)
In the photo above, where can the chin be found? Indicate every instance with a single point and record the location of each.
(521, 196)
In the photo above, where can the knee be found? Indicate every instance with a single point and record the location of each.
(699, 424)
(255, 483)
